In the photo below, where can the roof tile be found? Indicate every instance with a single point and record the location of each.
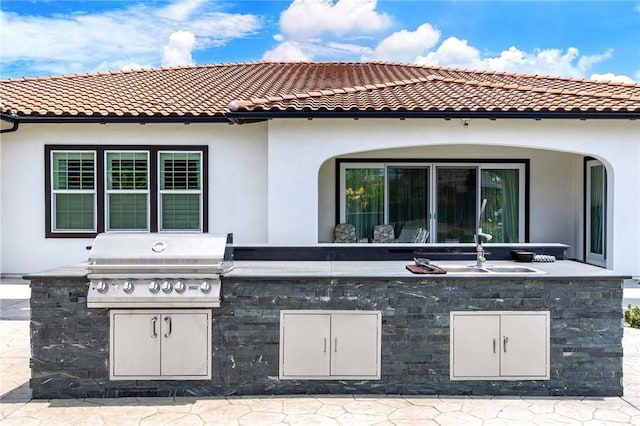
(216, 90)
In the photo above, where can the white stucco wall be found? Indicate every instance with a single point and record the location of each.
(1, 197)
(300, 147)
(267, 182)
(237, 183)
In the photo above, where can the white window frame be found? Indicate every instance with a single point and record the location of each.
(161, 192)
(107, 192)
(54, 192)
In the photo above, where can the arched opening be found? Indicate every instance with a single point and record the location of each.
(534, 195)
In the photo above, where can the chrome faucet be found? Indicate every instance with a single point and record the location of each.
(477, 238)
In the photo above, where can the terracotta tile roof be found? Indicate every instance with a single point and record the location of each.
(342, 88)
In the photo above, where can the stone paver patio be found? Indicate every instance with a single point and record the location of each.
(16, 407)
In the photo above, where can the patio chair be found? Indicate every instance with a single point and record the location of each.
(408, 234)
(344, 233)
(421, 236)
(383, 234)
(413, 234)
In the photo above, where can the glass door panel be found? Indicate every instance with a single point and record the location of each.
(501, 188)
(364, 199)
(456, 197)
(596, 213)
(408, 200)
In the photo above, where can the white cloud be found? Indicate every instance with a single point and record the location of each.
(178, 51)
(81, 42)
(181, 10)
(457, 53)
(288, 51)
(308, 18)
(336, 48)
(452, 52)
(131, 66)
(405, 45)
(612, 77)
(325, 29)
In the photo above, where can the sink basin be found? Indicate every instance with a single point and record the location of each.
(508, 269)
(491, 269)
(463, 269)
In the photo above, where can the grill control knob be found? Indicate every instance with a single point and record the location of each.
(205, 287)
(167, 287)
(102, 287)
(180, 287)
(128, 287)
(154, 287)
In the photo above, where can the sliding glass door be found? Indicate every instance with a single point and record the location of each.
(439, 197)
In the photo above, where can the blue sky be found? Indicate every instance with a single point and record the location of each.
(582, 39)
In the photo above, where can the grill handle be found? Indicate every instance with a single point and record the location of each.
(167, 321)
(153, 327)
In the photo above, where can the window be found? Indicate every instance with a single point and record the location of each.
(74, 191)
(180, 191)
(442, 197)
(127, 191)
(95, 189)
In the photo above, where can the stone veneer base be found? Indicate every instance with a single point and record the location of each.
(70, 343)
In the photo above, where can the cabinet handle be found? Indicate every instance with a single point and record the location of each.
(505, 340)
(153, 327)
(494, 345)
(325, 345)
(335, 345)
(167, 320)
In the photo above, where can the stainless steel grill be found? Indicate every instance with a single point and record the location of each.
(158, 270)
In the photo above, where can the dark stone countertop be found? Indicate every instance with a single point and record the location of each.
(558, 270)
(394, 269)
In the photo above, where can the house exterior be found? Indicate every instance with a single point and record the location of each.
(280, 153)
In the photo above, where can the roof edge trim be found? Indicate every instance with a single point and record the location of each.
(248, 115)
(112, 120)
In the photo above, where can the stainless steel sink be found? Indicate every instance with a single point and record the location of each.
(508, 269)
(491, 269)
(463, 269)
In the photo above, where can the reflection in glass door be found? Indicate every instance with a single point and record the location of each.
(456, 203)
(596, 213)
(408, 192)
(364, 199)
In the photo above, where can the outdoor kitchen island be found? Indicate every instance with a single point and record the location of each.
(282, 327)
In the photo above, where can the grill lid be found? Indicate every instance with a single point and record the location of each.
(122, 253)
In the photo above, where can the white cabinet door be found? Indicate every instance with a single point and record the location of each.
(185, 344)
(337, 345)
(475, 346)
(135, 344)
(305, 345)
(354, 345)
(502, 345)
(524, 345)
(162, 345)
